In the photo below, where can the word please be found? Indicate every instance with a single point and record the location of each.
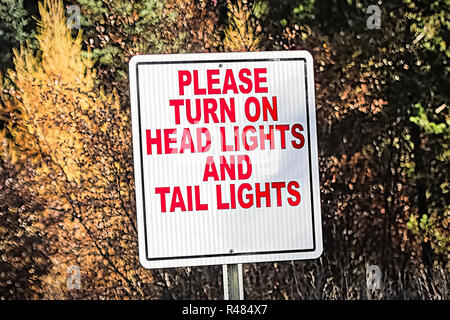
(247, 81)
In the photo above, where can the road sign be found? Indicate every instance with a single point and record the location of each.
(225, 158)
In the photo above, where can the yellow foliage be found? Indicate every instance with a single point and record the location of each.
(79, 138)
(61, 54)
(52, 83)
(241, 33)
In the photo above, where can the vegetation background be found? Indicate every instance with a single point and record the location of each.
(66, 175)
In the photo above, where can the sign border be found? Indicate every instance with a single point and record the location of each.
(228, 254)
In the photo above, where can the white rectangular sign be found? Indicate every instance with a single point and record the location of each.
(225, 158)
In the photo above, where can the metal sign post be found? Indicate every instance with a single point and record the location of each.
(233, 283)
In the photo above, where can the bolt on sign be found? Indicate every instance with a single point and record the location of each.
(225, 158)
